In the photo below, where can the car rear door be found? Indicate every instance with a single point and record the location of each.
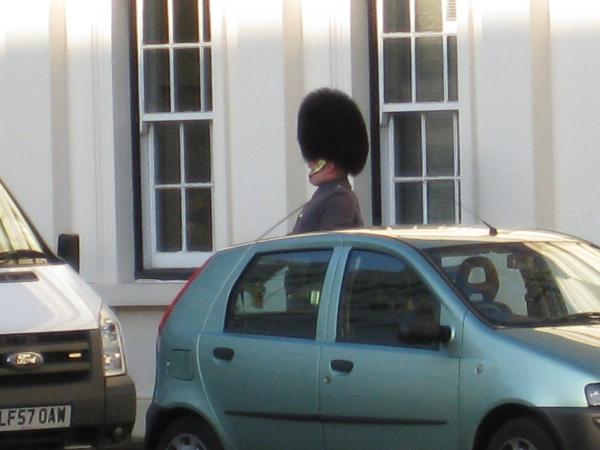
(377, 392)
(259, 364)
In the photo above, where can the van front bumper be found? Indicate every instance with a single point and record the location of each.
(578, 428)
(102, 418)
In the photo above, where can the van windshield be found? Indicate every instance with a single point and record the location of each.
(526, 284)
(18, 242)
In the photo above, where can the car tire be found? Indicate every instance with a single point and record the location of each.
(189, 433)
(524, 433)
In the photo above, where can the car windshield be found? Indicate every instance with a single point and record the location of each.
(18, 242)
(526, 284)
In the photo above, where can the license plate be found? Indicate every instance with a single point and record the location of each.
(35, 418)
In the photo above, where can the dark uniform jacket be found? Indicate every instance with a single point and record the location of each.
(333, 206)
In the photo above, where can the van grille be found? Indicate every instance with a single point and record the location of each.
(66, 358)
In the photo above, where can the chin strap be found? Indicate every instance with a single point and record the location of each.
(321, 163)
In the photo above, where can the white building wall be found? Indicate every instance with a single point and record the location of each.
(26, 102)
(501, 88)
(531, 95)
(575, 28)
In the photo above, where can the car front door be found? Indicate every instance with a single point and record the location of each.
(378, 392)
(260, 368)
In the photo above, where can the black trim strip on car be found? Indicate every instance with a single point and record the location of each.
(346, 420)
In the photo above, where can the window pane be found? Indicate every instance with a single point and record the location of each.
(397, 71)
(167, 167)
(407, 145)
(428, 15)
(440, 202)
(379, 294)
(409, 203)
(396, 16)
(452, 70)
(197, 152)
(156, 81)
(207, 68)
(199, 220)
(429, 61)
(279, 295)
(206, 21)
(155, 22)
(168, 220)
(187, 79)
(440, 143)
(185, 21)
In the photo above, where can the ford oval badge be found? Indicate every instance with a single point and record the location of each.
(25, 360)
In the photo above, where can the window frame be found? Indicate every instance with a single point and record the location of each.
(388, 180)
(150, 263)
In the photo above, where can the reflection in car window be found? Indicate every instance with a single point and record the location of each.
(15, 233)
(379, 293)
(279, 295)
(525, 283)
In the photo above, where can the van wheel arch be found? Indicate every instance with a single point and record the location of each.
(171, 416)
(503, 414)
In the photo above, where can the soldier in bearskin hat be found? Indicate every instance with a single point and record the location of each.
(334, 143)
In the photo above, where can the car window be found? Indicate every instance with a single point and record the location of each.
(379, 294)
(512, 283)
(279, 294)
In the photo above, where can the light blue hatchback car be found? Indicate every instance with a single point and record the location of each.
(453, 338)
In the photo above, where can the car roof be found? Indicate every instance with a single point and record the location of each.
(430, 236)
(426, 236)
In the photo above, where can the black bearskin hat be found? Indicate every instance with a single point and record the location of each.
(331, 127)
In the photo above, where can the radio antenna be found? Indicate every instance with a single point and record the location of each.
(282, 220)
(493, 231)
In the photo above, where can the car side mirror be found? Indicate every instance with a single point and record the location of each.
(423, 332)
(68, 249)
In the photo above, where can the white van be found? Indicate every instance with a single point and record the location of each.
(63, 379)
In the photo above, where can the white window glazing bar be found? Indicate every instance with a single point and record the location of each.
(413, 55)
(424, 166)
(457, 197)
(419, 107)
(201, 51)
(380, 71)
(153, 188)
(455, 144)
(457, 201)
(445, 69)
(141, 81)
(171, 27)
(182, 181)
(391, 173)
(177, 116)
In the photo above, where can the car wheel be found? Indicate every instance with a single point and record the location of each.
(188, 433)
(525, 433)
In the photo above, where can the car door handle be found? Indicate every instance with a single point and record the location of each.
(341, 365)
(223, 353)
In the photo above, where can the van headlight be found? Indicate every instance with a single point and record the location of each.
(112, 343)
(592, 393)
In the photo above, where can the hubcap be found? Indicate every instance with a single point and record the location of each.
(518, 444)
(186, 442)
